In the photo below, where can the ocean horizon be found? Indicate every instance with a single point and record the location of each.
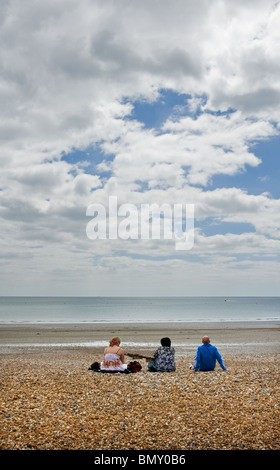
(73, 309)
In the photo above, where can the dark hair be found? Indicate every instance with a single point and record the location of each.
(165, 342)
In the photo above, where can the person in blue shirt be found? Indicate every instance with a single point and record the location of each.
(206, 357)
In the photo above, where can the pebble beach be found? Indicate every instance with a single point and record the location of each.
(50, 400)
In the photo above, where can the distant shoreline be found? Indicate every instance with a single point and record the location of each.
(233, 337)
(173, 324)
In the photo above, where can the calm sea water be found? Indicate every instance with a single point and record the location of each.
(21, 310)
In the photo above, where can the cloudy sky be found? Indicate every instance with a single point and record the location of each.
(150, 101)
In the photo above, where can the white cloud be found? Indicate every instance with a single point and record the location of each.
(69, 75)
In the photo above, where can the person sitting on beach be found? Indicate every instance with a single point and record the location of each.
(206, 356)
(113, 357)
(163, 358)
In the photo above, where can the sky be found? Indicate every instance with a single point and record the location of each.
(151, 102)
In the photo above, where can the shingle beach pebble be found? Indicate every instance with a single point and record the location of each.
(52, 401)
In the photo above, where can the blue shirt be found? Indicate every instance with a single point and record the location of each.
(206, 356)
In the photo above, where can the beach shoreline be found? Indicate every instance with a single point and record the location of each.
(251, 337)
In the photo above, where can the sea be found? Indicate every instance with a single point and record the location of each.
(65, 310)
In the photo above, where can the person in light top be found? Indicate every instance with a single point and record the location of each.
(113, 357)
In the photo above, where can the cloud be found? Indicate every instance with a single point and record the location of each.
(70, 76)
(188, 150)
(63, 64)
